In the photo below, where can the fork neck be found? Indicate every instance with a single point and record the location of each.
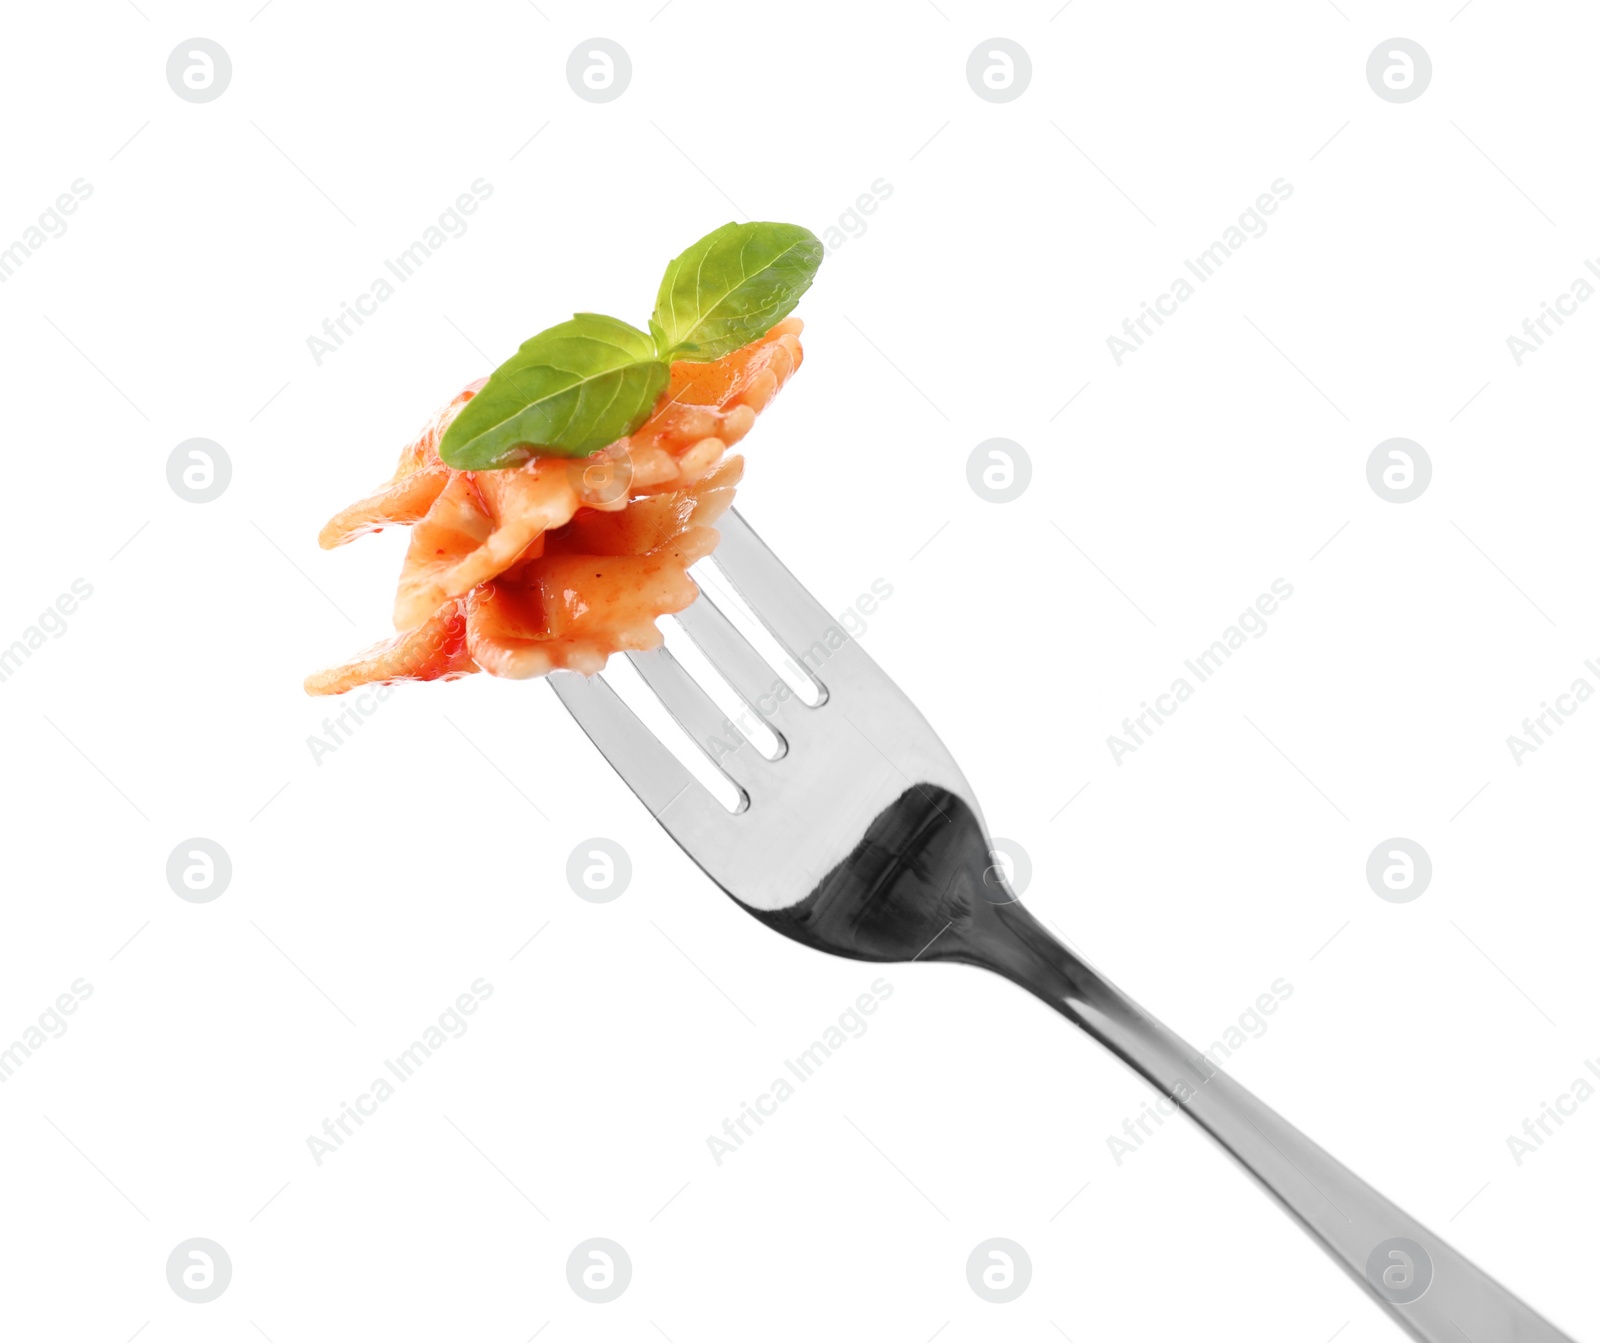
(922, 884)
(1005, 938)
(1008, 940)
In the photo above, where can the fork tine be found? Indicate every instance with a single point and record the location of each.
(797, 620)
(673, 795)
(728, 651)
(697, 714)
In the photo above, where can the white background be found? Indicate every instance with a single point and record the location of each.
(371, 888)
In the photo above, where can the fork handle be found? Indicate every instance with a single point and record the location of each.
(1432, 1291)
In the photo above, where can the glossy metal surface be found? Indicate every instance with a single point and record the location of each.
(864, 840)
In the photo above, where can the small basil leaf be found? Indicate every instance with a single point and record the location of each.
(731, 287)
(567, 392)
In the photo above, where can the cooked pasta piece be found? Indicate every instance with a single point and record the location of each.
(598, 589)
(435, 651)
(416, 483)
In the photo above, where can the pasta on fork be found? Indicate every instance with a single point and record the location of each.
(542, 539)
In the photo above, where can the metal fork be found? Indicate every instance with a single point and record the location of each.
(863, 839)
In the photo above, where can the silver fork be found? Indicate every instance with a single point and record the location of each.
(863, 839)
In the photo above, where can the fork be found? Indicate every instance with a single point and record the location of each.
(864, 840)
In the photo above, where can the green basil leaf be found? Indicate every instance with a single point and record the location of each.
(567, 392)
(731, 287)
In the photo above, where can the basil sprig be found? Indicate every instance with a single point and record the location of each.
(563, 394)
(574, 388)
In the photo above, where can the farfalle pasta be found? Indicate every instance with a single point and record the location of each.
(560, 561)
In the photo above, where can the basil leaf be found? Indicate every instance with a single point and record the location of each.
(731, 287)
(567, 392)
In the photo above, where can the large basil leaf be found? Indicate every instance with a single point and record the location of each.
(567, 392)
(731, 286)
